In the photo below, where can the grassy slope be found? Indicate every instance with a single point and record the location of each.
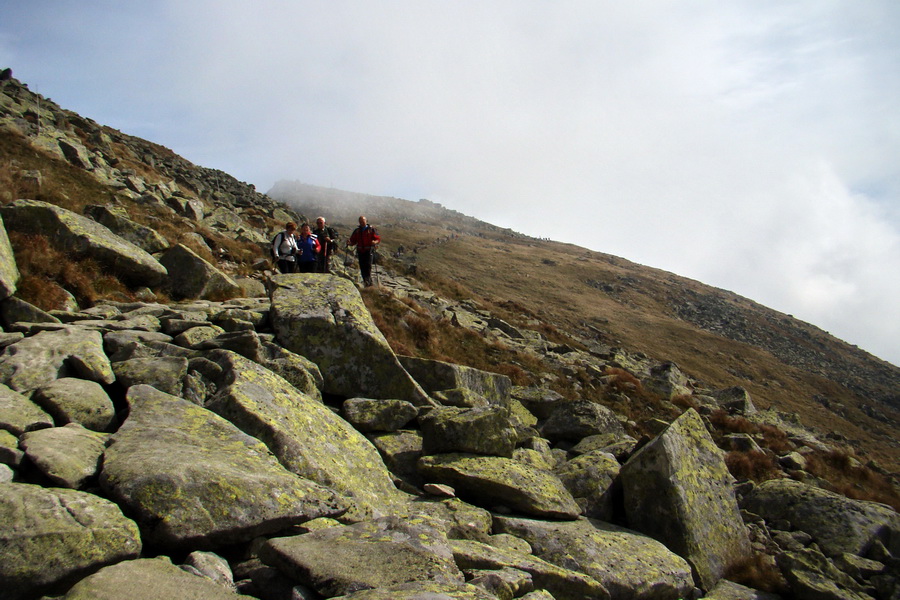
(619, 303)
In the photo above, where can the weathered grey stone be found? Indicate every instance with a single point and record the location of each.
(141, 236)
(191, 477)
(735, 400)
(505, 583)
(573, 421)
(9, 271)
(18, 414)
(174, 326)
(422, 590)
(631, 566)
(16, 310)
(325, 320)
(836, 523)
(78, 234)
(400, 451)
(7, 338)
(368, 415)
(435, 375)
(563, 583)
(590, 478)
(455, 518)
(492, 481)
(67, 456)
(810, 575)
(53, 537)
(9, 448)
(148, 579)
(671, 487)
(297, 370)
(190, 276)
(541, 402)
(667, 380)
(44, 357)
(468, 430)
(198, 337)
(460, 397)
(371, 554)
(211, 566)
(164, 373)
(620, 446)
(306, 436)
(73, 400)
(728, 590)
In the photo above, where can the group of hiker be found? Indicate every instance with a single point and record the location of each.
(310, 250)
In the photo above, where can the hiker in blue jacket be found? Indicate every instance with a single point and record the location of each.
(308, 249)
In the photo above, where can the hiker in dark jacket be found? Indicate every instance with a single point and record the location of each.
(284, 249)
(328, 237)
(366, 240)
(308, 249)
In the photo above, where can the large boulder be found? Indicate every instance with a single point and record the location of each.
(73, 400)
(631, 566)
(370, 554)
(436, 375)
(190, 276)
(592, 478)
(68, 456)
(47, 356)
(53, 537)
(836, 523)
(468, 430)
(671, 487)
(9, 271)
(18, 414)
(304, 434)
(193, 479)
(564, 583)
(494, 481)
(573, 421)
(116, 219)
(148, 579)
(324, 319)
(74, 233)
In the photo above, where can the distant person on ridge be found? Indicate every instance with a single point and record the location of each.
(328, 237)
(284, 249)
(308, 249)
(366, 240)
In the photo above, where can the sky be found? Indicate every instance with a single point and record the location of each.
(753, 145)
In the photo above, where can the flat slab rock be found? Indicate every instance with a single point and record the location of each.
(373, 554)
(148, 579)
(191, 477)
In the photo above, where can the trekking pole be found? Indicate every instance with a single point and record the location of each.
(375, 265)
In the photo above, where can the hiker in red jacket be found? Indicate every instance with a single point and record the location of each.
(366, 240)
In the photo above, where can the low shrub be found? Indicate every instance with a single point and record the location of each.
(756, 465)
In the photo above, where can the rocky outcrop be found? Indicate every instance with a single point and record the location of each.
(82, 236)
(672, 486)
(836, 523)
(325, 320)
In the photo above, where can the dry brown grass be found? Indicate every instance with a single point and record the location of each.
(759, 572)
(757, 465)
(849, 477)
(46, 271)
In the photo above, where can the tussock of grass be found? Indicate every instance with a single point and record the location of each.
(759, 572)
(756, 465)
(849, 477)
(46, 271)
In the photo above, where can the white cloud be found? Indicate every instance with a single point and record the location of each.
(751, 145)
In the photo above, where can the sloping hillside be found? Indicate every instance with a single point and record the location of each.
(714, 335)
